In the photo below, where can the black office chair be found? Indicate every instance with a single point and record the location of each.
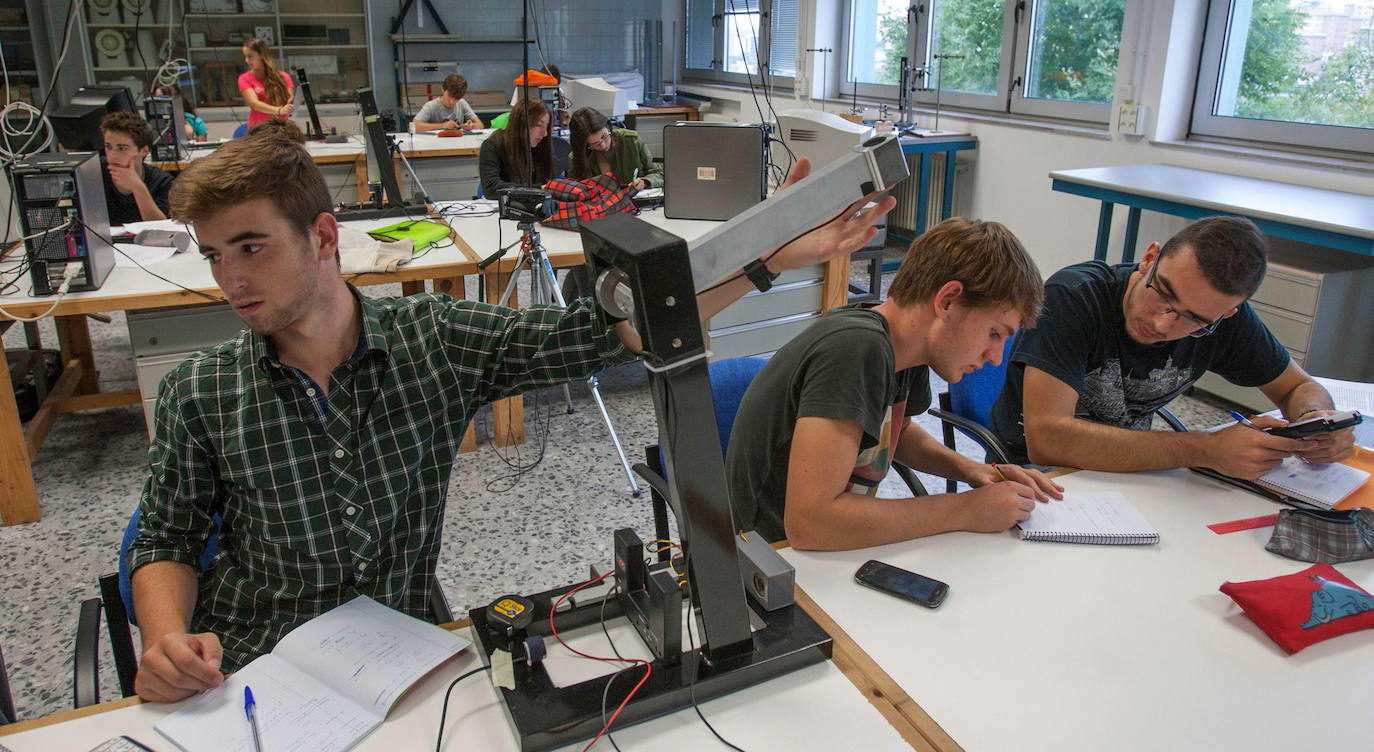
(116, 604)
(7, 714)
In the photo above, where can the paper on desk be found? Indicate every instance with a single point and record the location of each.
(127, 253)
(650, 193)
(295, 712)
(325, 685)
(369, 652)
(135, 228)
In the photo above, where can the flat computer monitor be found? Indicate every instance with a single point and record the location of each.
(597, 94)
(77, 123)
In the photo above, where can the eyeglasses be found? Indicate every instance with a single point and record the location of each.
(1205, 327)
(601, 140)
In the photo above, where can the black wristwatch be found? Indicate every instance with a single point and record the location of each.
(759, 275)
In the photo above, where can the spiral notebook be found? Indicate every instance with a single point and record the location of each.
(1323, 485)
(1105, 518)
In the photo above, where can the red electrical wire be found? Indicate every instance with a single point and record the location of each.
(648, 667)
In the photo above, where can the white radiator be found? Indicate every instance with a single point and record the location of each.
(902, 220)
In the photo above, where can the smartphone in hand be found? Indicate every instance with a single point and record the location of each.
(1316, 425)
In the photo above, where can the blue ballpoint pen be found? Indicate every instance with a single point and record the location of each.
(1241, 419)
(250, 709)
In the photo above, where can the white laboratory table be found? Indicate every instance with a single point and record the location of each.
(1045, 646)
(815, 708)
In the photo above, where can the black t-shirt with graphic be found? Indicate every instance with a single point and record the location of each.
(1081, 340)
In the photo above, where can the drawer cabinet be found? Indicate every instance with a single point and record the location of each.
(1317, 303)
(162, 338)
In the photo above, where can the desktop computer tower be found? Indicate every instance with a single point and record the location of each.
(61, 203)
(713, 170)
(167, 118)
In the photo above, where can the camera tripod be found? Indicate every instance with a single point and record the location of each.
(545, 290)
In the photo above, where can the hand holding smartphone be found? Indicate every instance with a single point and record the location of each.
(1316, 425)
(902, 583)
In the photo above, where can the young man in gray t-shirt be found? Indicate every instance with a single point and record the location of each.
(825, 418)
(450, 112)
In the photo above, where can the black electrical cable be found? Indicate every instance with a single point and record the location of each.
(439, 738)
(606, 692)
(138, 21)
(52, 84)
(207, 296)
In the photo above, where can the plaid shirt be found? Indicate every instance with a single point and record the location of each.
(315, 513)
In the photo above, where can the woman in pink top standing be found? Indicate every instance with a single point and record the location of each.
(266, 90)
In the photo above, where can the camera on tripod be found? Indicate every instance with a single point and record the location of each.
(525, 204)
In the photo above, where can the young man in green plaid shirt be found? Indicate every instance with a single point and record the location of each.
(323, 437)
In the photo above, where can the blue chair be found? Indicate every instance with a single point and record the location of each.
(967, 408)
(116, 603)
(241, 131)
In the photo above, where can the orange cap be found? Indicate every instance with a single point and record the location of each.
(537, 78)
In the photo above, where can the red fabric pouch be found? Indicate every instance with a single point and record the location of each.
(1303, 608)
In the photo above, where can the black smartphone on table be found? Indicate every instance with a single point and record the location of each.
(1319, 424)
(910, 586)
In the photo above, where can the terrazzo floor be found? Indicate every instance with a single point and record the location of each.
(540, 531)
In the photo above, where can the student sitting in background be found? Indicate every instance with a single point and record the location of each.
(504, 155)
(597, 149)
(824, 420)
(134, 190)
(195, 127)
(450, 112)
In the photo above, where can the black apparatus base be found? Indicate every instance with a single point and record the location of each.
(545, 716)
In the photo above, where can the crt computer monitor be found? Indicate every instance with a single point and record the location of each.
(77, 123)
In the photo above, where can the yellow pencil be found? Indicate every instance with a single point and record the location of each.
(998, 470)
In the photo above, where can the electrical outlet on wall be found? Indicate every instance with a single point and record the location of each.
(1130, 119)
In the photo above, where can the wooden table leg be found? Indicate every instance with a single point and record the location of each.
(413, 287)
(507, 415)
(18, 495)
(836, 287)
(75, 336)
(360, 175)
(455, 287)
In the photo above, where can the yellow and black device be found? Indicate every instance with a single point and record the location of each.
(507, 624)
(511, 611)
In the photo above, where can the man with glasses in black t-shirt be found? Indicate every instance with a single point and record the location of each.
(1116, 343)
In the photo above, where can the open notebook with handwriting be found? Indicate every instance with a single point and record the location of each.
(327, 684)
(1105, 518)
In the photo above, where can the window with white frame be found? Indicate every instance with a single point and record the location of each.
(738, 41)
(1288, 71)
(1054, 58)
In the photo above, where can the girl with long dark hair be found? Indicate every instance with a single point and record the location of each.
(597, 149)
(504, 161)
